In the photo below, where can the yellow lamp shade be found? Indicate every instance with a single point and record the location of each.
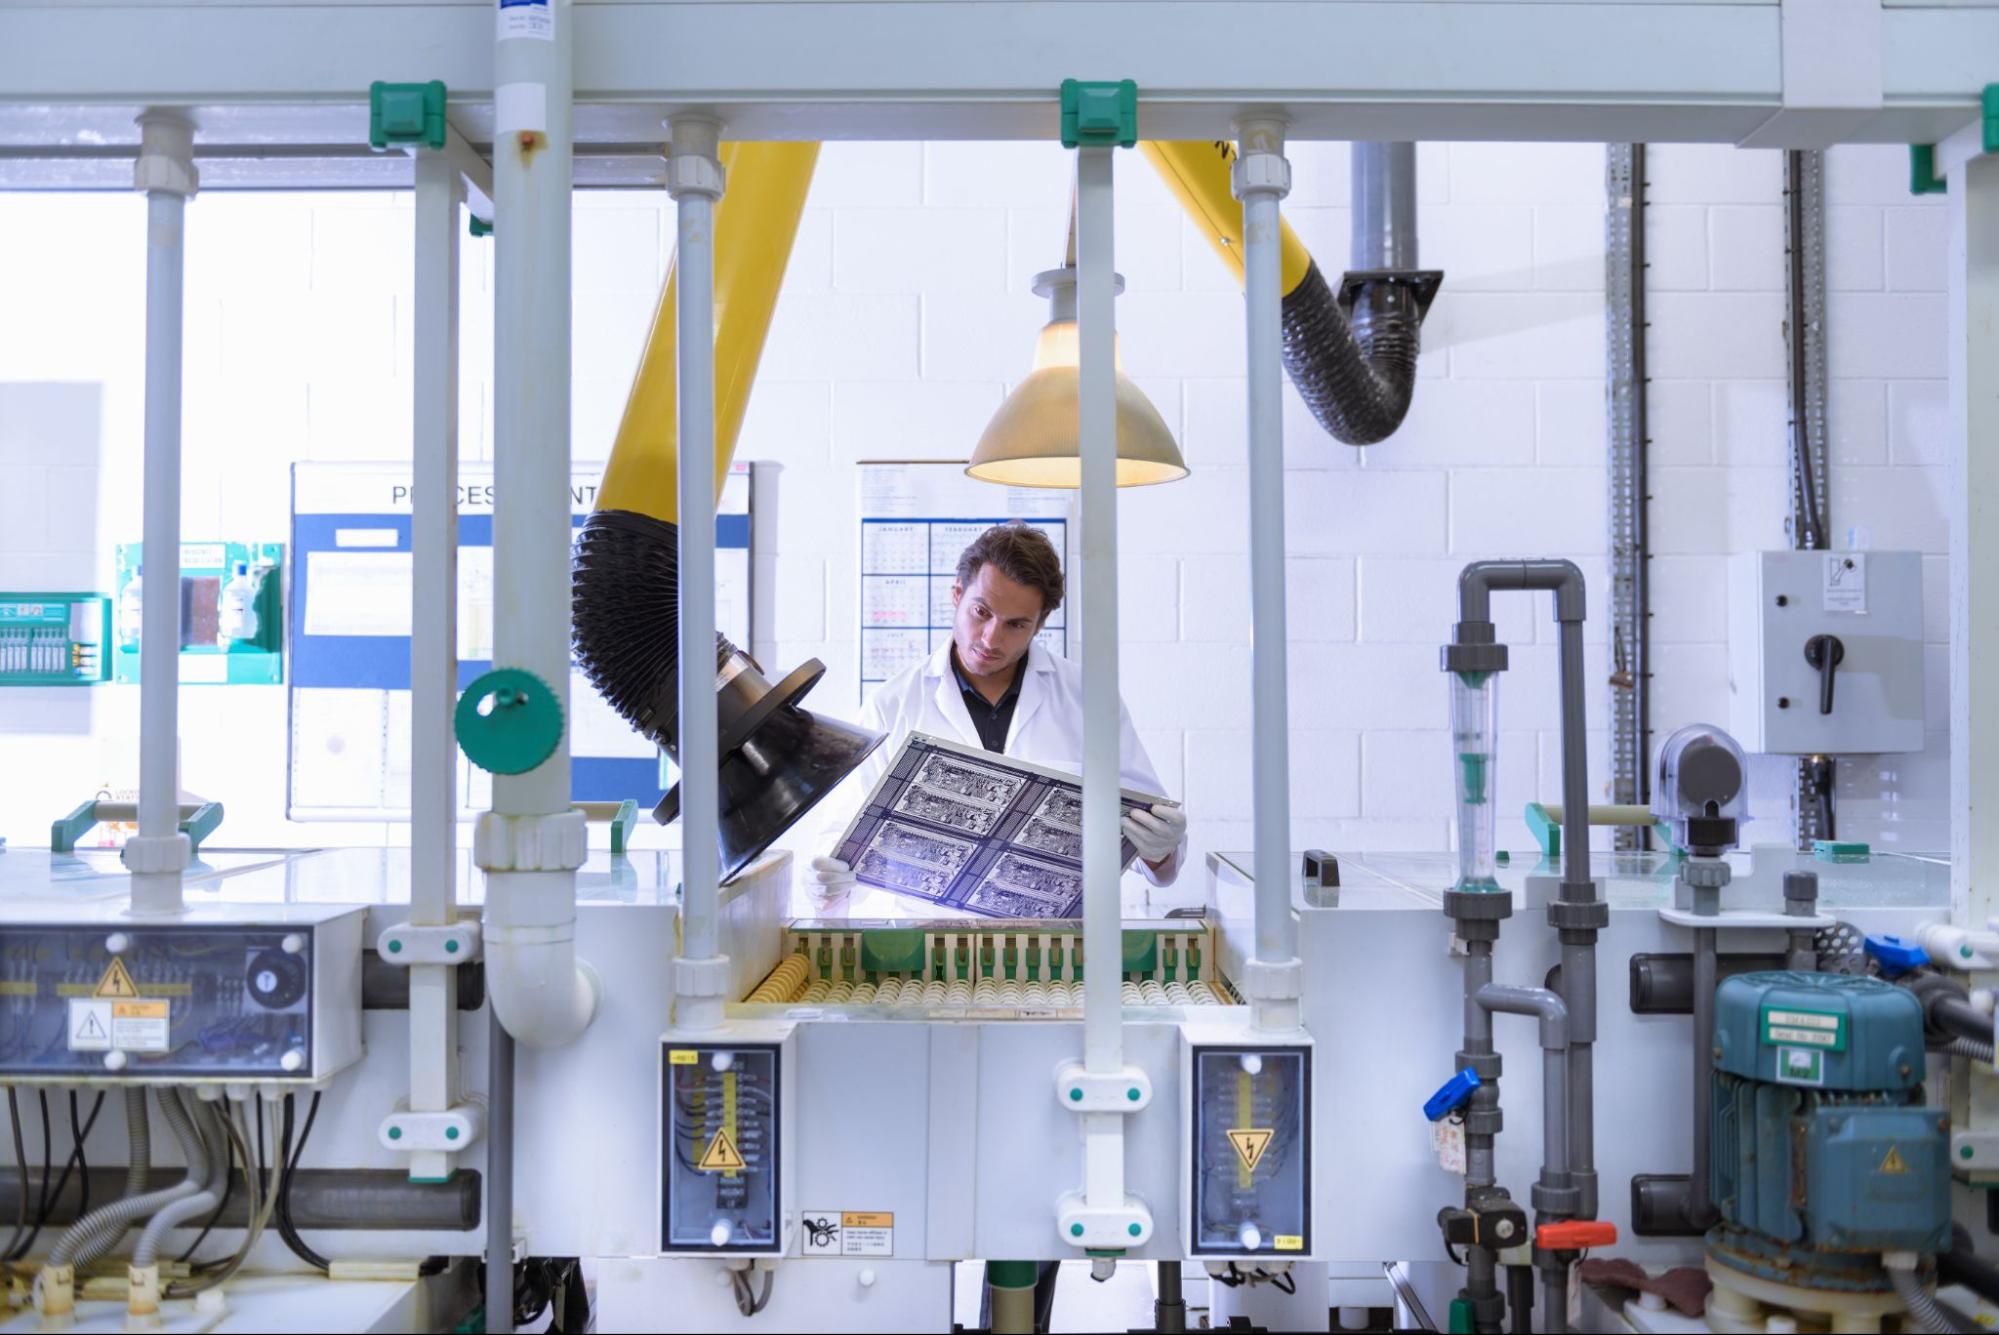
(1032, 439)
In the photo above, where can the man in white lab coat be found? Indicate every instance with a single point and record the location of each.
(990, 686)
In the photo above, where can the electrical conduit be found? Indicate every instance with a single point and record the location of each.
(143, 1277)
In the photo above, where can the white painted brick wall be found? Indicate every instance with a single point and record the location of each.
(907, 315)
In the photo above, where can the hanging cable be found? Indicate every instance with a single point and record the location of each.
(234, 1142)
(20, 1172)
(77, 1134)
(289, 1155)
(74, 1162)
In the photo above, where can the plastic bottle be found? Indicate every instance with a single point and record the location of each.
(131, 611)
(237, 618)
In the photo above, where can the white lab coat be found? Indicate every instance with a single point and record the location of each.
(1047, 729)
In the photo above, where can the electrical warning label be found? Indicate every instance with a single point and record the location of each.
(721, 1156)
(1250, 1145)
(116, 982)
(89, 1025)
(847, 1233)
(99, 1025)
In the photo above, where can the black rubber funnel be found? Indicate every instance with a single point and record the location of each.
(777, 760)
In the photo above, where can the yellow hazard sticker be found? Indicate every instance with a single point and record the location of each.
(1288, 1242)
(1250, 1143)
(1894, 1163)
(682, 1057)
(866, 1219)
(117, 982)
(721, 1156)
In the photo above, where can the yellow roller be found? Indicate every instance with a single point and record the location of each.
(756, 222)
(1197, 172)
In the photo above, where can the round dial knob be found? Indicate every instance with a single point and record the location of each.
(275, 980)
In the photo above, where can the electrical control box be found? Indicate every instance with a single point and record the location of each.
(54, 639)
(1247, 1193)
(723, 1143)
(1825, 652)
(224, 993)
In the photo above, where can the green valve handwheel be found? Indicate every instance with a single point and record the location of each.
(508, 721)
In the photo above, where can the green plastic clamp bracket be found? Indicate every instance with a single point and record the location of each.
(405, 113)
(1988, 103)
(1099, 114)
(479, 226)
(1923, 178)
(508, 721)
(196, 822)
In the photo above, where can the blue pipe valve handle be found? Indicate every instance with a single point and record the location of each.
(1896, 955)
(1452, 1095)
(508, 721)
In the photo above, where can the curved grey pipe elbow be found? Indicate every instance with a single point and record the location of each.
(1357, 372)
(1539, 1002)
(1930, 1313)
(1479, 580)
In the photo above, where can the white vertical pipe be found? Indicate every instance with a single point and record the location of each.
(166, 172)
(1973, 279)
(1096, 279)
(531, 528)
(1261, 182)
(532, 841)
(434, 640)
(694, 178)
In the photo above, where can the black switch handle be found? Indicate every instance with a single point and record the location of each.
(1825, 653)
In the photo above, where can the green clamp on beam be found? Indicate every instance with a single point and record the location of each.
(621, 827)
(196, 822)
(1923, 178)
(1840, 850)
(1099, 114)
(1988, 104)
(479, 226)
(405, 113)
(508, 721)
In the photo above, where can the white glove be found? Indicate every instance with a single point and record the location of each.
(1155, 833)
(832, 881)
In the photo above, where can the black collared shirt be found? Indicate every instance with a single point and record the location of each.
(992, 720)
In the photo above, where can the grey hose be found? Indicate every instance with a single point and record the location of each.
(1970, 1047)
(1940, 1318)
(201, 1202)
(99, 1231)
(139, 1134)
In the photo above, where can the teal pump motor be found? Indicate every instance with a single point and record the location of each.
(1824, 1154)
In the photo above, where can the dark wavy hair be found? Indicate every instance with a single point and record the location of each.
(1023, 554)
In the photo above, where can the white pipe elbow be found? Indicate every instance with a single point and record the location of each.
(542, 994)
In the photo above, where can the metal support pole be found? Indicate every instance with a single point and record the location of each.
(433, 1047)
(1261, 179)
(1805, 335)
(160, 853)
(694, 179)
(1629, 477)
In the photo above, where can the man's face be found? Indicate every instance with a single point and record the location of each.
(995, 622)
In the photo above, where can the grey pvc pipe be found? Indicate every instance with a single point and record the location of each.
(499, 1179)
(1700, 1208)
(1555, 1298)
(1575, 766)
(1479, 1168)
(1553, 1014)
(1579, 991)
(1384, 206)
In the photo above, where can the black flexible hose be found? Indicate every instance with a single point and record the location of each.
(1961, 1265)
(289, 1155)
(20, 1171)
(1356, 374)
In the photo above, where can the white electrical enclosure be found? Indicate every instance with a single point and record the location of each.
(1786, 611)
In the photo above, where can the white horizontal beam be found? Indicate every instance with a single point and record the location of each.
(1590, 71)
